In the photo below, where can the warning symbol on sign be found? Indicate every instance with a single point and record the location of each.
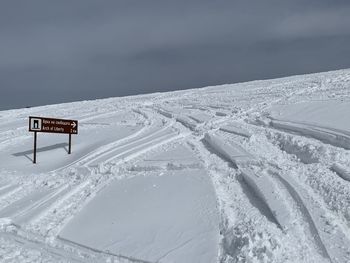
(35, 124)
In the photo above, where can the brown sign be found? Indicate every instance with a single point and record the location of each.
(40, 124)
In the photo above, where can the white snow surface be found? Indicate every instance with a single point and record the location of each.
(168, 218)
(249, 172)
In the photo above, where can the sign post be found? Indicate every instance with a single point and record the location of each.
(70, 144)
(34, 156)
(51, 125)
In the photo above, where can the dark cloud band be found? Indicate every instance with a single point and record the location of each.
(96, 49)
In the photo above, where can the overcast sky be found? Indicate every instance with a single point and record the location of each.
(68, 50)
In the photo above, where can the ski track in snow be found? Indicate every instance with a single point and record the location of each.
(276, 154)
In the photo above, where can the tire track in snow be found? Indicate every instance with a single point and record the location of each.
(64, 251)
(25, 215)
(331, 240)
(66, 201)
(57, 212)
(305, 210)
(301, 90)
(10, 197)
(17, 192)
(108, 157)
(327, 135)
(316, 161)
(308, 219)
(121, 143)
(194, 145)
(56, 216)
(316, 218)
(111, 148)
(242, 222)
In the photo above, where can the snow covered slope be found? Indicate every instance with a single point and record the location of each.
(250, 172)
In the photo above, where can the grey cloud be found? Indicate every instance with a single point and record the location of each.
(331, 22)
(72, 50)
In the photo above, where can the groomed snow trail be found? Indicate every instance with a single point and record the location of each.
(250, 172)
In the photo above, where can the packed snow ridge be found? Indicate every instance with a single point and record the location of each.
(250, 172)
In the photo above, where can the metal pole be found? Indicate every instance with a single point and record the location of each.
(34, 156)
(70, 144)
